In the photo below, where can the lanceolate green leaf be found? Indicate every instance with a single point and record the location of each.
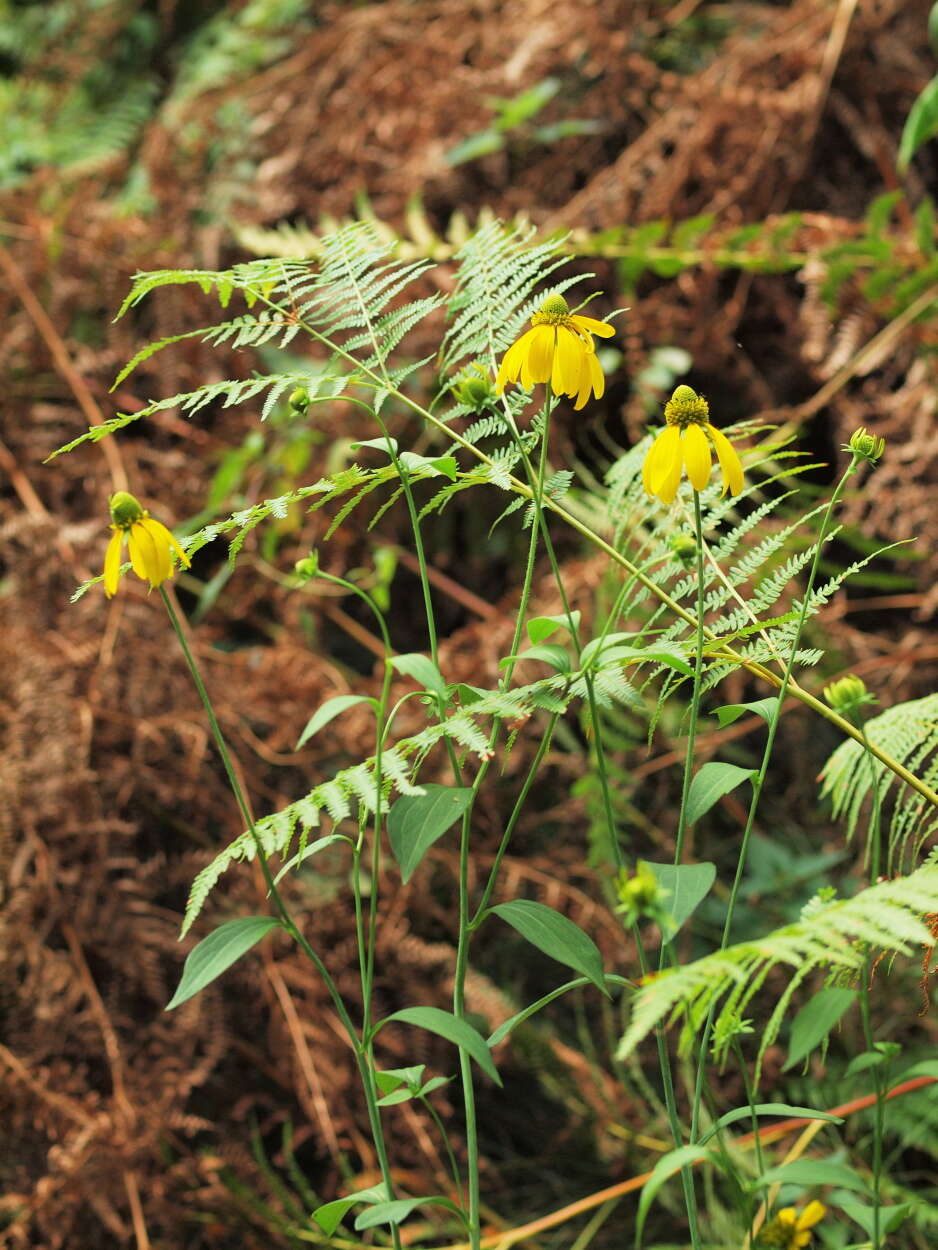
(329, 711)
(710, 783)
(665, 1168)
(416, 821)
(815, 1020)
(920, 125)
(555, 935)
(218, 952)
(455, 1030)
(686, 886)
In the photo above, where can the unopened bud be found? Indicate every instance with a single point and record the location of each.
(307, 568)
(299, 399)
(684, 546)
(847, 694)
(473, 387)
(866, 446)
(639, 893)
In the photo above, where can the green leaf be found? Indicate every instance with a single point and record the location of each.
(815, 1020)
(710, 783)
(925, 227)
(398, 1210)
(665, 1168)
(416, 821)
(920, 125)
(687, 885)
(810, 1173)
(330, 1215)
(542, 627)
(483, 143)
(927, 1067)
(548, 652)
(422, 669)
(218, 952)
(519, 1017)
(445, 1024)
(890, 1218)
(766, 1108)
(556, 936)
(391, 1079)
(933, 29)
(520, 108)
(329, 711)
(611, 652)
(731, 712)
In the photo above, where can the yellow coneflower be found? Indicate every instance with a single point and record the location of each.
(685, 443)
(557, 349)
(791, 1231)
(150, 544)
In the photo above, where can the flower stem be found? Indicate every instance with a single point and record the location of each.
(360, 1048)
(759, 779)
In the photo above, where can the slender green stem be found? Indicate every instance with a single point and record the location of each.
(465, 921)
(873, 853)
(361, 1053)
(542, 748)
(759, 779)
(687, 1179)
(694, 713)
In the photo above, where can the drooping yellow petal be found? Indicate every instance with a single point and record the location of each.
(568, 362)
(651, 456)
(592, 326)
(510, 367)
(112, 563)
(596, 375)
(162, 541)
(697, 456)
(787, 1217)
(732, 469)
(538, 355)
(136, 556)
(671, 480)
(144, 555)
(665, 455)
(813, 1213)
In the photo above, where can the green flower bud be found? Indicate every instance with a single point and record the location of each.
(686, 407)
(847, 694)
(299, 399)
(866, 446)
(640, 895)
(307, 568)
(474, 387)
(684, 546)
(125, 510)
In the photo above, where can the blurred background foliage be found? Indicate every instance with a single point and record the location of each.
(731, 171)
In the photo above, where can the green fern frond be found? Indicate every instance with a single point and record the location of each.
(354, 789)
(909, 733)
(829, 936)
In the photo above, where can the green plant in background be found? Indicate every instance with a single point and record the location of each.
(704, 589)
(514, 115)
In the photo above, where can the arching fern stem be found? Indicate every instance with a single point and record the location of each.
(360, 1046)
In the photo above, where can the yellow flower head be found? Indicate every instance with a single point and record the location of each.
(791, 1231)
(685, 442)
(151, 545)
(557, 349)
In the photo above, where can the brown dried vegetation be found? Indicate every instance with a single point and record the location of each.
(127, 1126)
